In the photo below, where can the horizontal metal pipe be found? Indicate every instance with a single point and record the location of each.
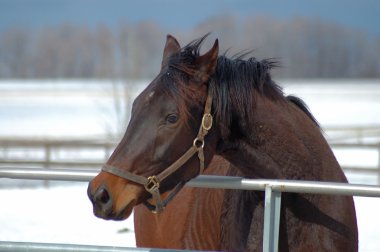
(51, 163)
(209, 181)
(48, 174)
(295, 186)
(6, 246)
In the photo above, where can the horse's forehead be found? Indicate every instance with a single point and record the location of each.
(147, 97)
(151, 96)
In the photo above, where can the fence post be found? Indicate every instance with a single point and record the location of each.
(378, 166)
(47, 160)
(272, 210)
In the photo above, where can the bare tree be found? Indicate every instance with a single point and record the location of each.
(306, 47)
(15, 53)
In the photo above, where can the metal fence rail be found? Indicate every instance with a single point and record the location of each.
(272, 188)
(206, 181)
(52, 247)
(48, 174)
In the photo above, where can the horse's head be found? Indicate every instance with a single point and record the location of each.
(168, 120)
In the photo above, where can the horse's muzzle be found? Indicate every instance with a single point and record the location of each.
(101, 201)
(106, 206)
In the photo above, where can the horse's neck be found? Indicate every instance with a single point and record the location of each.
(190, 220)
(282, 142)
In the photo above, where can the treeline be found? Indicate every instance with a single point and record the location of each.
(306, 48)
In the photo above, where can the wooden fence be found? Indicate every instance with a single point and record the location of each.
(353, 134)
(53, 153)
(92, 153)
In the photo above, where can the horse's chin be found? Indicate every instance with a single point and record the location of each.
(126, 212)
(126, 200)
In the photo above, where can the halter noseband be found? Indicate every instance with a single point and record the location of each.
(152, 183)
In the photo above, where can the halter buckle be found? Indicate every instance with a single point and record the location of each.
(152, 184)
(207, 121)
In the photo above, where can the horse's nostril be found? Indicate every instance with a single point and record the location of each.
(102, 196)
(102, 201)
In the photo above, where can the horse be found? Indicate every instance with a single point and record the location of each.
(200, 106)
(191, 220)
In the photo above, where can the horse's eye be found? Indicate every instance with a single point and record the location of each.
(172, 118)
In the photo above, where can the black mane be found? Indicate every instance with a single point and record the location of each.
(233, 86)
(235, 83)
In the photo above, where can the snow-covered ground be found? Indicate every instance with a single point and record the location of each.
(63, 214)
(59, 214)
(339, 102)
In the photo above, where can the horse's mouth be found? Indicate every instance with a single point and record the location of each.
(116, 216)
(127, 211)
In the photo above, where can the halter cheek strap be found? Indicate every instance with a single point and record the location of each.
(152, 183)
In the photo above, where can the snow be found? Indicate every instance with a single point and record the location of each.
(63, 214)
(367, 211)
(344, 102)
(59, 214)
(61, 109)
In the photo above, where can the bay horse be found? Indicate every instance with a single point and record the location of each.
(200, 106)
(191, 220)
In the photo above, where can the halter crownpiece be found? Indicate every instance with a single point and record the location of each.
(152, 183)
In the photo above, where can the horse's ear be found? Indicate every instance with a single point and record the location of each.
(207, 63)
(171, 47)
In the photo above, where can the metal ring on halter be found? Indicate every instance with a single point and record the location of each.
(198, 143)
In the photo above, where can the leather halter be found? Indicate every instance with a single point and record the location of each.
(152, 183)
